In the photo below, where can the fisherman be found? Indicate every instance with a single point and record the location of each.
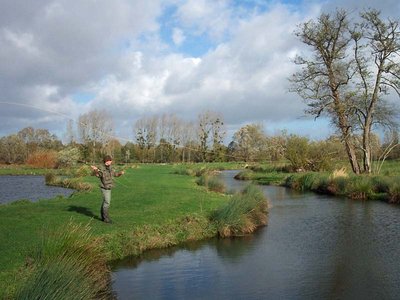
(106, 174)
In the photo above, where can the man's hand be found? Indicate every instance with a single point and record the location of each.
(94, 168)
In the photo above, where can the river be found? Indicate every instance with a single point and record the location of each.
(314, 247)
(28, 187)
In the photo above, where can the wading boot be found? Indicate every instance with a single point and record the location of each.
(105, 216)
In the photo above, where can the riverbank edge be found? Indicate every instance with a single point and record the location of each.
(361, 187)
(134, 242)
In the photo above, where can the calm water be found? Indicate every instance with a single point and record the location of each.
(28, 187)
(314, 247)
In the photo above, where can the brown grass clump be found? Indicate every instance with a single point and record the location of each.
(43, 159)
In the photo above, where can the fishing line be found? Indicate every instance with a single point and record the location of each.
(111, 135)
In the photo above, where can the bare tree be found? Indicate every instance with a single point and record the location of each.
(95, 129)
(250, 142)
(340, 80)
(211, 132)
(13, 149)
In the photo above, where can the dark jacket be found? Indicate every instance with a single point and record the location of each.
(106, 174)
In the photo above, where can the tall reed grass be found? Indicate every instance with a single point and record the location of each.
(67, 264)
(245, 212)
(212, 183)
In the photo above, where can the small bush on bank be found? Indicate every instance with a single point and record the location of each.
(242, 214)
(66, 264)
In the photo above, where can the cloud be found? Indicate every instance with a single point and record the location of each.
(245, 78)
(115, 51)
(63, 44)
(178, 36)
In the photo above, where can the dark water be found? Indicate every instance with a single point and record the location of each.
(314, 247)
(28, 187)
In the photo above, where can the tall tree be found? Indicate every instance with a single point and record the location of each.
(250, 142)
(95, 129)
(339, 79)
(211, 132)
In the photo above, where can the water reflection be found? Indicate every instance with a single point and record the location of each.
(314, 247)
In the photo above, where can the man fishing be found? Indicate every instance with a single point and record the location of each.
(106, 174)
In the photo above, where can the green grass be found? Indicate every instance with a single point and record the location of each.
(147, 203)
(245, 212)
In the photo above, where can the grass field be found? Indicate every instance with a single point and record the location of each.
(149, 196)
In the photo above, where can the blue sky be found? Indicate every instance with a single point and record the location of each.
(140, 58)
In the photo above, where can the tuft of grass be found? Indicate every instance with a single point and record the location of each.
(212, 183)
(245, 212)
(67, 264)
(394, 193)
(342, 173)
(359, 187)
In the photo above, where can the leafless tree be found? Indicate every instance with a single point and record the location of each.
(353, 67)
(95, 129)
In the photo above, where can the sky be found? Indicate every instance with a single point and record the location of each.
(60, 59)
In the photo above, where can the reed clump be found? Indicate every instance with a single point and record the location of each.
(67, 264)
(76, 183)
(243, 214)
(212, 183)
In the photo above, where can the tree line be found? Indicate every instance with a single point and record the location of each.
(169, 139)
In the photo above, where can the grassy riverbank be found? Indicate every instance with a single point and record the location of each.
(385, 187)
(151, 207)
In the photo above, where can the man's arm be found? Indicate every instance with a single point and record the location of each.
(96, 171)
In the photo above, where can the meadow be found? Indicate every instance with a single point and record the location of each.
(152, 206)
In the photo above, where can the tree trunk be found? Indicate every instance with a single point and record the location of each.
(351, 154)
(367, 150)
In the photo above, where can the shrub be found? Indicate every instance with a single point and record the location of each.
(83, 171)
(242, 214)
(68, 157)
(43, 159)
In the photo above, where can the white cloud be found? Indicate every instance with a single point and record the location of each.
(178, 36)
(53, 49)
